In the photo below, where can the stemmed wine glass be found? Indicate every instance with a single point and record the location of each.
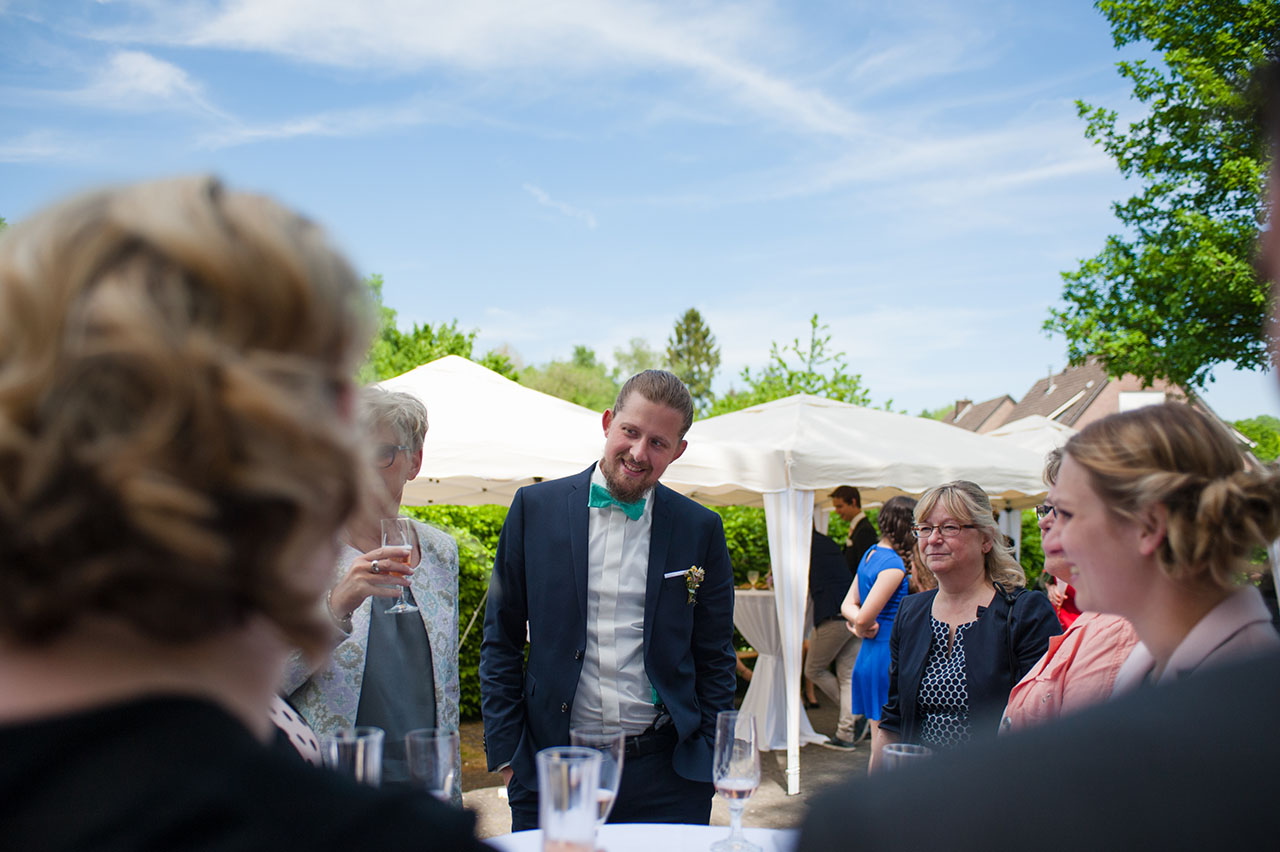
(735, 769)
(753, 576)
(611, 743)
(398, 532)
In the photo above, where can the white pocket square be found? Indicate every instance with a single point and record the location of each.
(675, 574)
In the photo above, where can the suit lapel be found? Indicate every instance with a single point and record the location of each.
(659, 545)
(576, 512)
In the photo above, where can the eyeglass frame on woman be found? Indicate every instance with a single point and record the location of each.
(1047, 509)
(924, 536)
(394, 449)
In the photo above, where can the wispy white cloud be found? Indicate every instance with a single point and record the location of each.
(582, 37)
(541, 196)
(132, 80)
(38, 146)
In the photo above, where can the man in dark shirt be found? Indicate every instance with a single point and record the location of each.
(862, 535)
(831, 640)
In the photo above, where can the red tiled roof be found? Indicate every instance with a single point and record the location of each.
(1063, 396)
(972, 416)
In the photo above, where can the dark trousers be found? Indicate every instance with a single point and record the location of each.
(651, 791)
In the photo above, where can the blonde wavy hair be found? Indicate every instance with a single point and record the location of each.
(174, 364)
(968, 503)
(1171, 454)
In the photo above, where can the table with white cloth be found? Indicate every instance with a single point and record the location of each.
(756, 618)
(646, 837)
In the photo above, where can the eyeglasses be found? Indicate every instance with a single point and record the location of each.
(1047, 509)
(923, 531)
(385, 454)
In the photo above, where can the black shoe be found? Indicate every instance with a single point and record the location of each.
(838, 744)
(861, 729)
(810, 705)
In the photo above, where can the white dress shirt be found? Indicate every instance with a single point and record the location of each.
(613, 691)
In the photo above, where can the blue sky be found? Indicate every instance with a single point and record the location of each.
(555, 173)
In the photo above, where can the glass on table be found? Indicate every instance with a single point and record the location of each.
(356, 753)
(735, 769)
(611, 743)
(398, 532)
(753, 577)
(432, 756)
(568, 781)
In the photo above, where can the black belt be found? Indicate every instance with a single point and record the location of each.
(652, 741)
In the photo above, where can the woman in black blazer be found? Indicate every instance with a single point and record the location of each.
(956, 651)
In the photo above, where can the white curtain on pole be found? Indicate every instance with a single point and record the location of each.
(1010, 523)
(789, 519)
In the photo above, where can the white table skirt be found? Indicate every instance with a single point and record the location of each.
(647, 837)
(756, 618)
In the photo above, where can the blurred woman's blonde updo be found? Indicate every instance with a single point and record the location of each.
(175, 431)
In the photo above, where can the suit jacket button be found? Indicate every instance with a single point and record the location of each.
(564, 708)
(577, 655)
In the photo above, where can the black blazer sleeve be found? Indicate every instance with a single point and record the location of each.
(863, 538)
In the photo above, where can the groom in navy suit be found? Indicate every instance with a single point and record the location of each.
(626, 592)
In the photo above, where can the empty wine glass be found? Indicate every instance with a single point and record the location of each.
(735, 769)
(399, 532)
(432, 757)
(611, 743)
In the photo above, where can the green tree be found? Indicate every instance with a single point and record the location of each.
(937, 413)
(636, 357)
(394, 351)
(694, 356)
(1264, 430)
(797, 368)
(1177, 294)
(3, 223)
(583, 380)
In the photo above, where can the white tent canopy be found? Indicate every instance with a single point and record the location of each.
(489, 436)
(1036, 433)
(808, 445)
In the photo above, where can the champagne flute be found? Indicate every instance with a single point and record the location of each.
(398, 532)
(432, 757)
(735, 769)
(611, 743)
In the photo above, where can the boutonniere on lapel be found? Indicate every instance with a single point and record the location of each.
(692, 580)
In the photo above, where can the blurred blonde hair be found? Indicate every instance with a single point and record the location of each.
(968, 503)
(174, 364)
(1218, 509)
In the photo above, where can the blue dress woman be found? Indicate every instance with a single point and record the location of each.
(872, 604)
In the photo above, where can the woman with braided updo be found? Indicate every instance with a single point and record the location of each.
(872, 604)
(1158, 513)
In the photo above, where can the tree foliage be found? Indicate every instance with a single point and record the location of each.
(1176, 293)
(693, 355)
(636, 357)
(1264, 430)
(797, 368)
(394, 351)
(583, 380)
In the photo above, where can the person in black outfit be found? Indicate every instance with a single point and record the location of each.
(831, 640)
(847, 502)
(177, 452)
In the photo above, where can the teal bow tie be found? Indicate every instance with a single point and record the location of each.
(601, 499)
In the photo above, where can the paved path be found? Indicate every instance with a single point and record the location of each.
(770, 807)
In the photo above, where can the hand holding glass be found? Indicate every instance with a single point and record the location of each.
(611, 743)
(432, 755)
(398, 532)
(735, 769)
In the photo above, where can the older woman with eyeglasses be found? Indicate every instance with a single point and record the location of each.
(392, 668)
(956, 651)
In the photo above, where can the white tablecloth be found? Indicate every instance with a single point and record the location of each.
(648, 837)
(756, 618)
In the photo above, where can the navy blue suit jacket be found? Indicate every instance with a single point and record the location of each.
(999, 649)
(540, 577)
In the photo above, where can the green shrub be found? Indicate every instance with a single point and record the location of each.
(1032, 551)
